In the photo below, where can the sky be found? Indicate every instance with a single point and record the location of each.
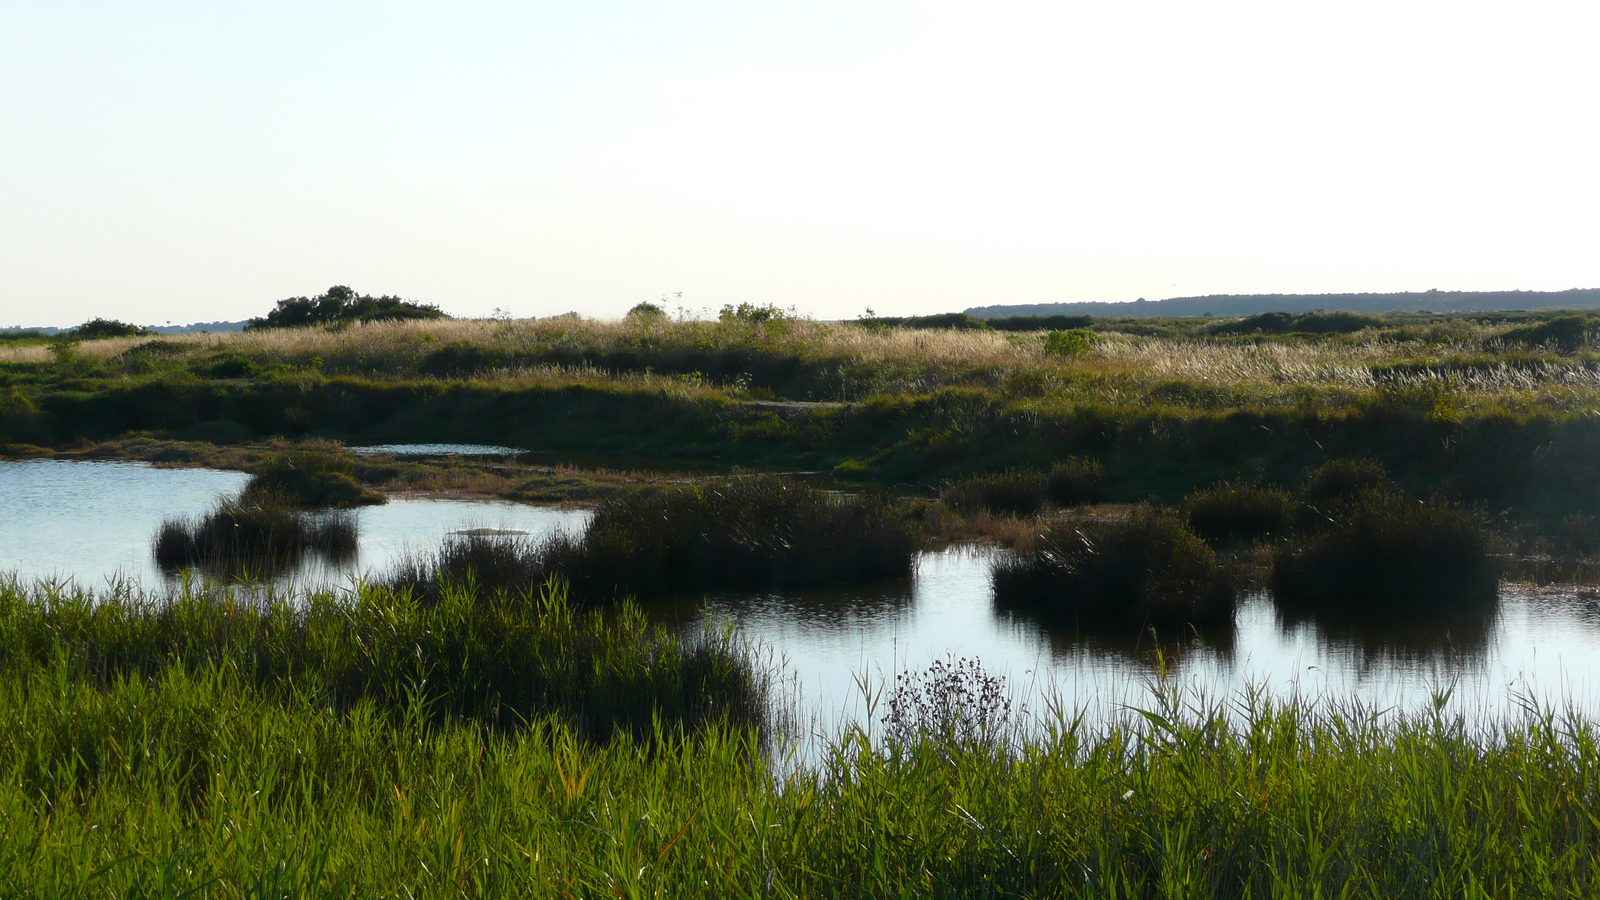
(197, 161)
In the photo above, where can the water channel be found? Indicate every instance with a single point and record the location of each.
(91, 523)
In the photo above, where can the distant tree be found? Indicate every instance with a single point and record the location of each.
(341, 305)
(753, 314)
(647, 312)
(96, 329)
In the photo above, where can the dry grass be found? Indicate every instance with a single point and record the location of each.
(27, 353)
(1121, 368)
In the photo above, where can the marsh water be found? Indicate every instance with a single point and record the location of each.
(91, 523)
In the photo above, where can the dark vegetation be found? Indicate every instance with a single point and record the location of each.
(1297, 323)
(1255, 304)
(339, 305)
(1146, 568)
(1020, 492)
(1380, 555)
(750, 531)
(258, 535)
(1239, 511)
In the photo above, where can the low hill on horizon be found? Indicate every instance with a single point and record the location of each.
(1255, 304)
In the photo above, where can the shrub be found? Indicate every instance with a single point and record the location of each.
(1147, 567)
(98, 329)
(1389, 556)
(1343, 479)
(1076, 480)
(1073, 342)
(1238, 511)
(339, 305)
(261, 534)
(1010, 493)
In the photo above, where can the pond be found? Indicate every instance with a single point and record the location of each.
(92, 522)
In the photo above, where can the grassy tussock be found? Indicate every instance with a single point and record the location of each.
(258, 533)
(1239, 511)
(1009, 493)
(748, 531)
(1383, 555)
(1148, 567)
(311, 479)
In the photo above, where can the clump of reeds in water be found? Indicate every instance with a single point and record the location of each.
(255, 534)
(749, 531)
(1148, 567)
(1380, 554)
(1238, 511)
(312, 480)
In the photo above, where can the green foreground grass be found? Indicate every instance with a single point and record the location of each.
(205, 747)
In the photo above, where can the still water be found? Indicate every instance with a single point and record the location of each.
(92, 523)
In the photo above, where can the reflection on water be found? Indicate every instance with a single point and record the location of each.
(92, 521)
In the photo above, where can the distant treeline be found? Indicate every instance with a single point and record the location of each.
(1254, 304)
(196, 328)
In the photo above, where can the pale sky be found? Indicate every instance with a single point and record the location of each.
(168, 161)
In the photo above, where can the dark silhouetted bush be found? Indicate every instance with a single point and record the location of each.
(1304, 323)
(1075, 481)
(1238, 511)
(1148, 567)
(1384, 555)
(340, 305)
(98, 329)
(1010, 493)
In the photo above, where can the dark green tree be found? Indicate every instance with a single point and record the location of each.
(341, 305)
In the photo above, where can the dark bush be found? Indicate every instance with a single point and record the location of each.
(1343, 479)
(310, 479)
(229, 365)
(261, 536)
(1148, 567)
(98, 329)
(1076, 480)
(1010, 493)
(1238, 511)
(1384, 555)
(340, 305)
(1040, 323)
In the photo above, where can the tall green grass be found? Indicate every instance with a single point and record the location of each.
(197, 779)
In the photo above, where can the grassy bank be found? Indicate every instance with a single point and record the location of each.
(1490, 410)
(154, 750)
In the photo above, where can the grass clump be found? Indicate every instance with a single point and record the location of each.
(1343, 479)
(259, 533)
(310, 479)
(1386, 555)
(1148, 567)
(1013, 492)
(751, 531)
(1238, 511)
(1076, 480)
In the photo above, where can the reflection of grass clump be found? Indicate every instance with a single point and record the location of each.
(750, 531)
(1383, 553)
(241, 535)
(1238, 511)
(1149, 566)
(1010, 493)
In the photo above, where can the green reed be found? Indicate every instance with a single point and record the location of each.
(195, 777)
